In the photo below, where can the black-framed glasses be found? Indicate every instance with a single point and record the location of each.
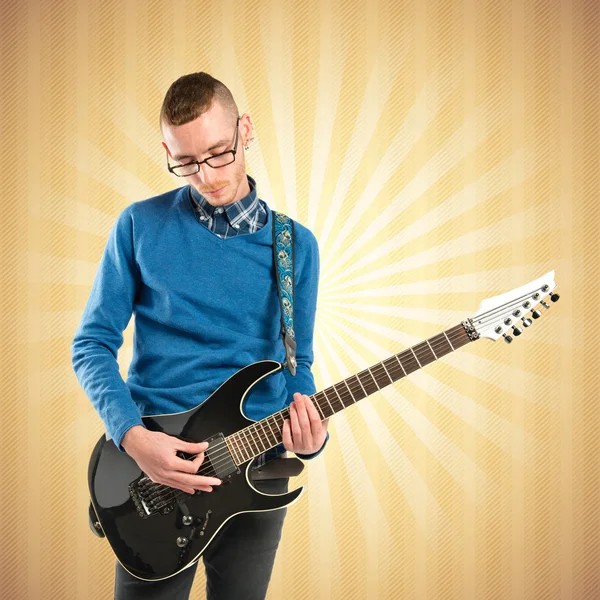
(215, 161)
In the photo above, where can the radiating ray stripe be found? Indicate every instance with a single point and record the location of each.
(47, 325)
(513, 380)
(367, 119)
(456, 247)
(328, 97)
(57, 269)
(437, 316)
(276, 38)
(480, 281)
(78, 215)
(417, 120)
(378, 540)
(510, 229)
(99, 167)
(453, 459)
(490, 185)
(357, 471)
(255, 163)
(413, 486)
(324, 555)
(444, 160)
(145, 136)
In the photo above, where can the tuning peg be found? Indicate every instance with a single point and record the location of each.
(526, 322)
(536, 314)
(546, 306)
(554, 297)
(517, 331)
(507, 338)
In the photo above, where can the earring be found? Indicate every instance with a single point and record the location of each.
(248, 143)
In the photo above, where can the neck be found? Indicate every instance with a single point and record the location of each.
(262, 435)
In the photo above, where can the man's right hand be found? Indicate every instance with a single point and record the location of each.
(156, 455)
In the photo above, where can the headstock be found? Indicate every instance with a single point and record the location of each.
(508, 311)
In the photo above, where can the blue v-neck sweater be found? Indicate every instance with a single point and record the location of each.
(204, 308)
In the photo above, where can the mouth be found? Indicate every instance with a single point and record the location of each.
(215, 192)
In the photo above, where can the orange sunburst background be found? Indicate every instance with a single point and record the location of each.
(442, 152)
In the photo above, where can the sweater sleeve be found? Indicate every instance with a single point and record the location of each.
(305, 306)
(100, 332)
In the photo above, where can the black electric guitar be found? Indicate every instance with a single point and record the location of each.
(157, 531)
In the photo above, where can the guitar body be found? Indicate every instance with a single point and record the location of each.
(156, 531)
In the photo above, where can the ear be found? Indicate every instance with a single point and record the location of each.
(246, 124)
(167, 149)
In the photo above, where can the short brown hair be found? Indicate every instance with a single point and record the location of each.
(191, 95)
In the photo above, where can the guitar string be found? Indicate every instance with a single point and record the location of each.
(492, 314)
(224, 456)
(455, 332)
(261, 439)
(206, 470)
(437, 342)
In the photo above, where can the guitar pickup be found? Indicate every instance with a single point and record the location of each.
(219, 457)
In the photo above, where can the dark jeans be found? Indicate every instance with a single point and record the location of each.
(238, 561)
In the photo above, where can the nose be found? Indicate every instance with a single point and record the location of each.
(207, 176)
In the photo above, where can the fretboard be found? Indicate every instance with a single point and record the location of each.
(257, 438)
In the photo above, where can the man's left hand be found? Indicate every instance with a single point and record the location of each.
(304, 432)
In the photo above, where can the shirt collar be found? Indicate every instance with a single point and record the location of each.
(241, 212)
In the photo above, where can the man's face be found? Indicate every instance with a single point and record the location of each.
(211, 133)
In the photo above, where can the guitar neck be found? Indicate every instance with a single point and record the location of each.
(267, 433)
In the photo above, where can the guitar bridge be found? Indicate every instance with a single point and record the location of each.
(151, 498)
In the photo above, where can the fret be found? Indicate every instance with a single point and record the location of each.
(243, 448)
(451, 346)
(233, 449)
(338, 395)
(265, 433)
(370, 385)
(442, 342)
(427, 356)
(278, 427)
(379, 383)
(270, 428)
(394, 368)
(420, 365)
(387, 372)
(438, 341)
(351, 394)
(249, 439)
(401, 366)
(431, 349)
(255, 437)
(361, 385)
(283, 415)
(375, 380)
(412, 364)
(328, 402)
(317, 405)
(357, 392)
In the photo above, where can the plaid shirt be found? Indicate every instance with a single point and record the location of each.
(247, 215)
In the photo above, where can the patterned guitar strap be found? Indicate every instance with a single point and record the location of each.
(283, 238)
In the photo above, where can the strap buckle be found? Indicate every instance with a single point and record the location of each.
(290, 353)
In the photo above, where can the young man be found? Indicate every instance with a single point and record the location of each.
(195, 265)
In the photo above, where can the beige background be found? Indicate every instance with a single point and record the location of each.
(442, 152)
